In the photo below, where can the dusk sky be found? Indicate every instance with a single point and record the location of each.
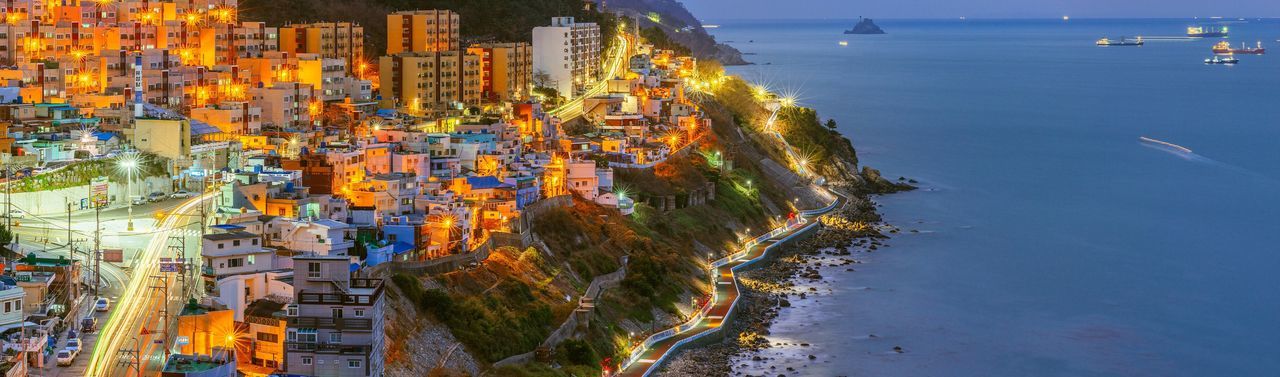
(730, 9)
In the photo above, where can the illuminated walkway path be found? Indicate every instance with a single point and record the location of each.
(647, 357)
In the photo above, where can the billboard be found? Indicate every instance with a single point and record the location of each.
(113, 255)
(98, 191)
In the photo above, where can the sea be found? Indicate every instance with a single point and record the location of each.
(1046, 238)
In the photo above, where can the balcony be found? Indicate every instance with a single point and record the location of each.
(342, 324)
(344, 349)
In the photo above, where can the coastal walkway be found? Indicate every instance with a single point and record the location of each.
(648, 356)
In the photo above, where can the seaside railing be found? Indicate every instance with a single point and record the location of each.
(693, 322)
(669, 333)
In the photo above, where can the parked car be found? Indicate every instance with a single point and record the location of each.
(67, 356)
(180, 194)
(88, 324)
(73, 344)
(138, 200)
(73, 334)
(16, 214)
(156, 196)
(102, 304)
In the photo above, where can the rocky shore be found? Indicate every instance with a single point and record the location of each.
(776, 282)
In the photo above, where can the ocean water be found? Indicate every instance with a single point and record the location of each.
(1051, 241)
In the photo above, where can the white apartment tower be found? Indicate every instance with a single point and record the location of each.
(568, 54)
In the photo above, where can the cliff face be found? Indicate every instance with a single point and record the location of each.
(680, 25)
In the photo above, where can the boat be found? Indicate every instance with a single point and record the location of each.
(844, 43)
(1225, 48)
(1124, 41)
(1222, 59)
(1166, 144)
(1207, 31)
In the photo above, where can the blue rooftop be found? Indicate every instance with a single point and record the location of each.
(484, 182)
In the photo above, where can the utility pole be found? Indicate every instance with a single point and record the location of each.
(97, 249)
(71, 253)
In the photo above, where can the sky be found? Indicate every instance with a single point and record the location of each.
(738, 9)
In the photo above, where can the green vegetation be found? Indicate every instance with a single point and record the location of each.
(82, 172)
(508, 321)
(661, 40)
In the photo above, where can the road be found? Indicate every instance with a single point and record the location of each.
(726, 292)
(617, 66)
(140, 305)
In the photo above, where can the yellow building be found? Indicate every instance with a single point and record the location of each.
(167, 138)
(506, 70)
(428, 30)
(334, 40)
(430, 81)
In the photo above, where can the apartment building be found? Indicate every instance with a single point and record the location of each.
(505, 70)
(431, 30)
(332, 40)
(568, 54)
(430, 82)
(335, 325)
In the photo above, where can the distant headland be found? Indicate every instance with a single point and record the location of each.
(865, 26)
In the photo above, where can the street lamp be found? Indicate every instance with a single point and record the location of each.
(128, 163)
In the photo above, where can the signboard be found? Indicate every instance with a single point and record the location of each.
(183, 340)
(98, 191)
(113, 255)
(167, 265)
(172, 264)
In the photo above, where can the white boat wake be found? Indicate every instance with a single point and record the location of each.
(1187, 154)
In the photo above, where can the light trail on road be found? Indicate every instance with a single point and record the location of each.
(573, 108)
(136, 302)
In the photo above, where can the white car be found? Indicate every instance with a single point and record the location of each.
(138, 200)
(180, 194)
(67, 355)
(102, 304)
(16, 214)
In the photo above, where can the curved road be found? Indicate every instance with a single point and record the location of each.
(139, 306)
(726, 295)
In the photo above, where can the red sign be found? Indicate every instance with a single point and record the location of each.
(113, 255)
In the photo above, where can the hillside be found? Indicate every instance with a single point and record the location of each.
(680, 26)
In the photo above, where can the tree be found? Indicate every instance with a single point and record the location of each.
(831, 124)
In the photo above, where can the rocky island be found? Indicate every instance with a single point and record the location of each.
(865, 26)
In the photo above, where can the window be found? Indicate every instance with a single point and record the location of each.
(313, 270)
(251, 258)
(359, 313)
(235, 243)
(307, 335)
(268, 337)
(306, 360)
(7, 307)
(335, 337)
(353, 363)
(235, 262)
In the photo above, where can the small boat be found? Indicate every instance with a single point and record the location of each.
(1225, 49)
(844, 43)
(1166, 144)
(1124, 41)
(1224, 60)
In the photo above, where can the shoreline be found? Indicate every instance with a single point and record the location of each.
(775, 283)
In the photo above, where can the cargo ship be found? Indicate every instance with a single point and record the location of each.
(1207, 31)
(1124, 41)
(1225, 48)
(1226, 59)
